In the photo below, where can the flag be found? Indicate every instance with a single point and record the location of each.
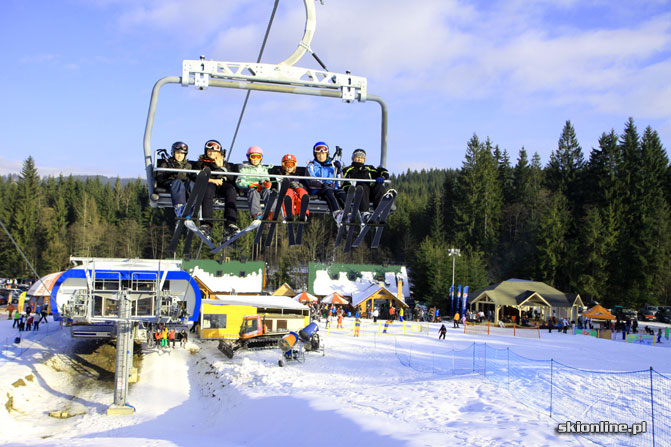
(22, 300)
(464, 298)
(458, 297)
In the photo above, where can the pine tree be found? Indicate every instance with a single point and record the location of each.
(25, 217)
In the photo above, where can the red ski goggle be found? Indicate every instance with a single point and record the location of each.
(320, 149)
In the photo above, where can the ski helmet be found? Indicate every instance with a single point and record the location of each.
(359, 153)
(319, 147)
(179, 146)
(289, 158)
(213, 145)
(254, 150)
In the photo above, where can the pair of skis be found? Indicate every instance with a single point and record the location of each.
(377, 220)
(190, 209)
(350, 212)
(296, 235)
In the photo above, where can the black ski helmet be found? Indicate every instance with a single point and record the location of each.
(179, 146)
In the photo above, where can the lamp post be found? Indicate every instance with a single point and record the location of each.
(453, 252)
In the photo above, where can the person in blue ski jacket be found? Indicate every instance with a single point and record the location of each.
(328, 190)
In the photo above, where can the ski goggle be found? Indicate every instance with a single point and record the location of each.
(289, 163)
(213, 146)
(181, 147)
(255, 156)
(320, 149)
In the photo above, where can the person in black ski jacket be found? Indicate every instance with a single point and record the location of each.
(218, 185)
(372, 191)
(179, 184)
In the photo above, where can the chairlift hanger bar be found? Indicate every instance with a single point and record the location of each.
(353, 88)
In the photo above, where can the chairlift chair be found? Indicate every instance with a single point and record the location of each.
(280, 78)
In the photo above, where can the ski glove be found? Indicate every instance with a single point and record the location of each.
(379, 180)
(267, 184)
(337, 164)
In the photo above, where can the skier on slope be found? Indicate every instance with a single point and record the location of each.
(371, 191)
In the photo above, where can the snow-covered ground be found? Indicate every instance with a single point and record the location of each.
(358, 393)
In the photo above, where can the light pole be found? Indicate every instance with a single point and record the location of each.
(453, 252)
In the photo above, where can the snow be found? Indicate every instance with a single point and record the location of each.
(357, 393)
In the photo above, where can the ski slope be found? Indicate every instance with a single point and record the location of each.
(358, 393)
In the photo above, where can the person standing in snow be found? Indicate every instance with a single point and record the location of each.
(184, 338)
(376, 314)
(171, 337)
(340, 317)
(357, 326)
(456, 320)
(442, 331)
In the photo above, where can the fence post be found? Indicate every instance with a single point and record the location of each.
(551, 368)
(652, 407)
(473, 355)
(508, 351)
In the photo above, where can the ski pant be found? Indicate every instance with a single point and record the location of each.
(441, 336)
(228, 192)
(372, 192)
(178, 191)
(296, 195)
(335, 198)
(254, 198)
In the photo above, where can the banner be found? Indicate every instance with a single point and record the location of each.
(641, 338)
(590, 332)
(458, 297)
(22, 300)
(452, 300)
(464, 299)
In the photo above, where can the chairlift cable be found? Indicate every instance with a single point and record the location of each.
(244, 105)
(18, 247)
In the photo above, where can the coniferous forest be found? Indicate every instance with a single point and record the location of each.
(592, 223)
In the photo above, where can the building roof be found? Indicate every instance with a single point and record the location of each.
(284, 290)
(348, 279)
(228, 277)
(377, 292)
(514, 292)
(263, 301)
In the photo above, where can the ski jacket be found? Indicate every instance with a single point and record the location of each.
(317, 169)
(366, 172)
(162, 177)
(294, 183)
(204, 162)
(261, 171)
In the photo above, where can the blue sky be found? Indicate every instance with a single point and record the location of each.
(78, 75)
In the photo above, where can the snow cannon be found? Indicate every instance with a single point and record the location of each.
(287, 342)
(308, 331)
(310, 337)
